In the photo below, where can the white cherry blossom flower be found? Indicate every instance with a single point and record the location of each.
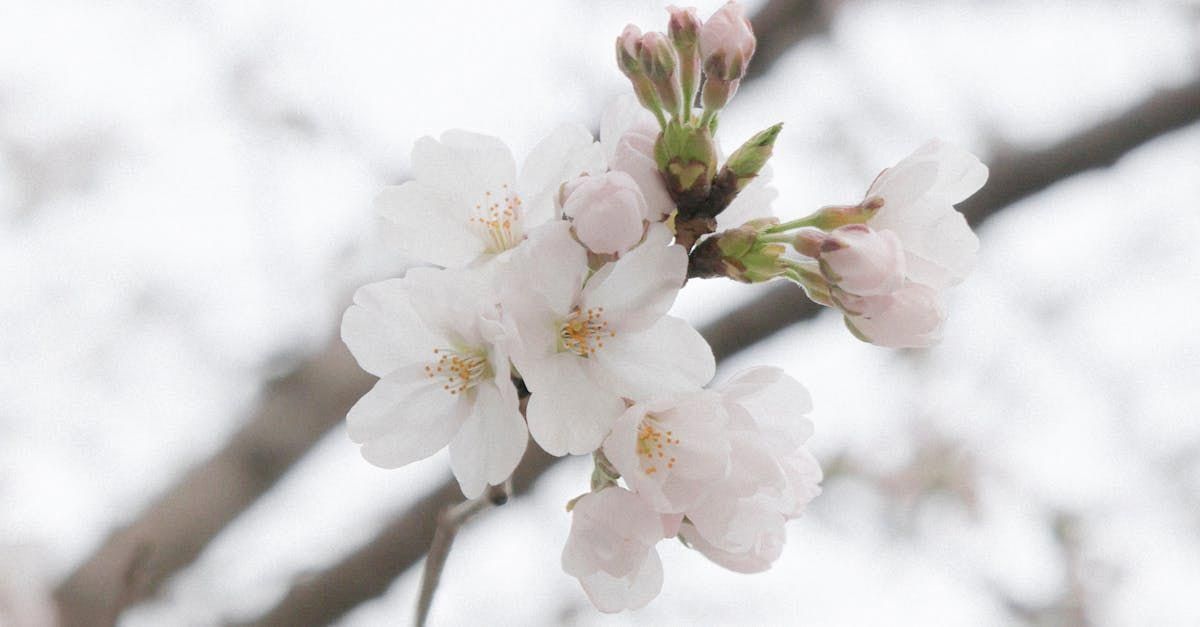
(467, 202)
(435, 339)
(670, 451)
(856, 258)
(919, 194)
(586, 343)
(611, 551)
(771, 477)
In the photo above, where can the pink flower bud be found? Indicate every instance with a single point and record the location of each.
(629, 45)
(684, 31)
(608, 211)
(727, 43)
(910, 317)
(862, 261)
(660, 62)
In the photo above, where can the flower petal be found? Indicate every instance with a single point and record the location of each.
(405, 417)
(567, 411)
(612, 594)
(462, 166)
(490, 443)
(641, 286)
(668, 358)
(384, 331)
(566, 153)
(431, 225)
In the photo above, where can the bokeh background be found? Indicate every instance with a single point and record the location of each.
(185, 206)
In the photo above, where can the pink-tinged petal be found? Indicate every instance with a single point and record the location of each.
(754, 561)
(607, 212)
(567, 412)
(567, 152)
(641, 286)
(863, 261)
(547, 270)
(490, 443)
(668, 358)
(910, 317)
(621, 117)
(635, 157)
(406, 417)
(430, 225)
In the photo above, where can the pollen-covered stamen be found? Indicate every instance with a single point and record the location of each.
(655, 446)
(584, 332)
(458, 371)
(498, 219)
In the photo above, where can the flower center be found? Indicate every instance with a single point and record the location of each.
(584, 331)
(458, 371)
(655, 446)
(497, 218)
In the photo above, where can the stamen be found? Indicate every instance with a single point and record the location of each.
(654, 446)
(458, 371)
(497, 219)
(584, 332)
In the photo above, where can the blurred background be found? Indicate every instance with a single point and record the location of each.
(185, 206)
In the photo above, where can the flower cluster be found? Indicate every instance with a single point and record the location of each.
(544, 313)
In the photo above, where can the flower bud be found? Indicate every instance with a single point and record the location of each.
(727, 43)
(746, 257)
(659, 61)
(745, 162)
(608, 211)
(859, 260)
(687, 158)
(629, 51)
(910, 317)
(684, 31)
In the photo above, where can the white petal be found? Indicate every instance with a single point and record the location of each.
(463, 165)
(641, 286)
(405, 417)
(611, 594)
(777, 402)
(568, 412)
(430, 225)
(621, 116)
(960, 173)
(384, 331)
(490, 442)
(669, 357)
(566, 153)
(549, 268)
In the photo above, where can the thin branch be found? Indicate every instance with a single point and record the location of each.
(325, 596)
(449, 521)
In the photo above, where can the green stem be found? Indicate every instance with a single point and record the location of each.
(812, 220)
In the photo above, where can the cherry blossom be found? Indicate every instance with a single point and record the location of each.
(467, 202)
(918, 196)
(670, 451)
(435, 340)
(584, 344)
(611, 551)
(857, 259)
(910, 317)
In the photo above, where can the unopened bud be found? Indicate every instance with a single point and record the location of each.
(727, 43)
(857, 259)
(659, 61)
(684, 31)
(748, 160)
(628, 47)
(687, 158)
(747, 257)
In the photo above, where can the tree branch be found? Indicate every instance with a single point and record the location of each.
(327, 594)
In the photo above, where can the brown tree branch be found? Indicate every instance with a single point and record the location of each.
(1013, 176)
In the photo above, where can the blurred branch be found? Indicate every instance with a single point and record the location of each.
(781, 24)
(134, 561)
(1014, 175)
